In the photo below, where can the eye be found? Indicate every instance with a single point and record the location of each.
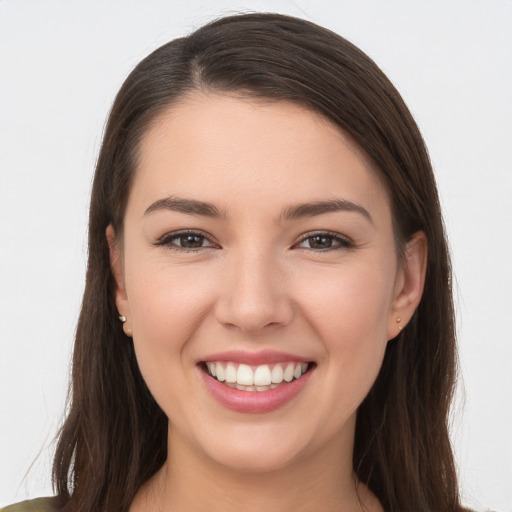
(324, 241)
(185, 241)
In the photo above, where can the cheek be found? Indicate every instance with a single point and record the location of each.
(168, 306)
(168, 302)
(349, 313)
(349, 304)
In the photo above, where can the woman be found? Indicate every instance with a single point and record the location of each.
(267, 317)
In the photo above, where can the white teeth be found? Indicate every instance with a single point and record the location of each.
(230, 373)
(244, 388)
(245, 375)
(211, 368)
(262, 376)
(277, 374)
(288, 373)
(221, 373)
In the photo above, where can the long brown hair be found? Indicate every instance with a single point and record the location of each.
(115, 435)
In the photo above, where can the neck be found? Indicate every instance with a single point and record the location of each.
(190, 480)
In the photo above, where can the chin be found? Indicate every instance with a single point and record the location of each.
(256, 461)
(256, 450)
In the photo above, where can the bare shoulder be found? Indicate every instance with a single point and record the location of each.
(35, 505)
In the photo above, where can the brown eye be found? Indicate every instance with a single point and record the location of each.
(185, 241)
(190, 241)
(324, 242)
(320, 242)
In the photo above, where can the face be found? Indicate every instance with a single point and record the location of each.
(258, 254)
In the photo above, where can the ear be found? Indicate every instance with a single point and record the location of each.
(409, 284)
(116, 266)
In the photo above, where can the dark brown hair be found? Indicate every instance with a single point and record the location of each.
(115, 435)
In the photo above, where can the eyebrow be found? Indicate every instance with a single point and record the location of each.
(298, 211)
(320, 207)
(190, 206)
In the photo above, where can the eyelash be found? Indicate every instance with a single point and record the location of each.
(168, 239)
(343, 242)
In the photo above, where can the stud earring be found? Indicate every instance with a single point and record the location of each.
(398, 320)
(127, 330)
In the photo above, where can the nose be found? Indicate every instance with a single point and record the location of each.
(254, 294)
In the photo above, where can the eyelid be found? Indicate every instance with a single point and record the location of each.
(345, 243)
(167, 239)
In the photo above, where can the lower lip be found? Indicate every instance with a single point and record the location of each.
(254, 402)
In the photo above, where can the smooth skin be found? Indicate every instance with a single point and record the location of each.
(325, 286)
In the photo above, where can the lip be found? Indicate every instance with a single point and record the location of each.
(254, 358)
(255, 402)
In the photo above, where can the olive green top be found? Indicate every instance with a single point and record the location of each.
(37, 505)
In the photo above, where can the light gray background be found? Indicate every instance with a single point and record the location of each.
(61, 63)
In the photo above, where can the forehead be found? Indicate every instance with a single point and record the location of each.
(225, 148)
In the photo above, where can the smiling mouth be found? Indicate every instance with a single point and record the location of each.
(256, 378)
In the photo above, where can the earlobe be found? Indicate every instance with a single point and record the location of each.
(117, 272)
(410, 284)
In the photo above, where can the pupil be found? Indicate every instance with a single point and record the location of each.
(321, 242)
(191, 241)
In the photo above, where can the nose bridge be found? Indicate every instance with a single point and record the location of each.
(254, 293)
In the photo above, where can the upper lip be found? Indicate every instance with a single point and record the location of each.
(255, 358)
